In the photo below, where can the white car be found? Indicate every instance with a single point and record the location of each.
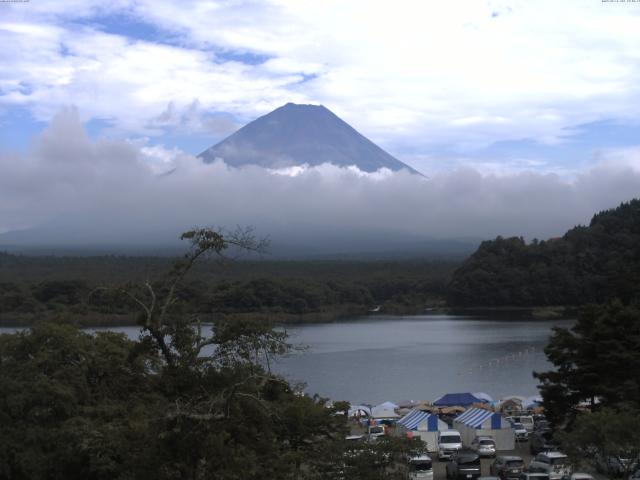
(555, 464)
(421, 468)
(581, 476)
(484, 446)
(522, 434)
(375, 432)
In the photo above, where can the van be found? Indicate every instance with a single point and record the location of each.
(526, 421)
(449, 442)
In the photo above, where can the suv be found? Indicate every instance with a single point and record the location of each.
(484, 446)
(464, 465)
(555, 464)
(449, 442)
(507, 467)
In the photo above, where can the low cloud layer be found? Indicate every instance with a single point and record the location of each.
(119, 192)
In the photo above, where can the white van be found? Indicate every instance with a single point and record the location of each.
(449, 442)
(525, 420)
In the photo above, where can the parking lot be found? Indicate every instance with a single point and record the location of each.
(522, 450)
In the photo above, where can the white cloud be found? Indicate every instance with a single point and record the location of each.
(107, 191)
(464, 73)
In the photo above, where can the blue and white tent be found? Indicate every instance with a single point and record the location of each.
(417, 419)
(476, 417)
(477, 422)
(423, 425)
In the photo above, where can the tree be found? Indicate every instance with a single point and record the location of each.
(597, 363)
(608, 441)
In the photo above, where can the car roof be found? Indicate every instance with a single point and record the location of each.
(421, 458)
(509, 457)
(554, 454)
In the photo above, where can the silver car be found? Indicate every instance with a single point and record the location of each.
(484, 446)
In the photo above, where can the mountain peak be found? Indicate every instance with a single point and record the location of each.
(297, 134)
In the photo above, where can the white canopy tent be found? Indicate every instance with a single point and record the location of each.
(385, 411)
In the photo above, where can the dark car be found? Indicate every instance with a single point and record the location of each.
(541, 441)
(507, 467)
(463, 466)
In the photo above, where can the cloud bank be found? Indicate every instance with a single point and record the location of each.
(108, 191)
(413, 75)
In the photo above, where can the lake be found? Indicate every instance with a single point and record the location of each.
(373, 359)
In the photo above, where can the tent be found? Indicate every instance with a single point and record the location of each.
(484, 397)
(359, 411)
(456, 399)
(532, 402)
(385, 411)
(511, 405)
(477, 422)
(423, 425)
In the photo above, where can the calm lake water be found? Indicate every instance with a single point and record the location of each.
(380, 358)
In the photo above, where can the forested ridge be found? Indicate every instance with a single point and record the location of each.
(588, 264)
(33, 288)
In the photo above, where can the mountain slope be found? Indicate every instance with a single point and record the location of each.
(587, 265)
(298, 134)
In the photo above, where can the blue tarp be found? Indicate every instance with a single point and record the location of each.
(457, 399)
(415, 417)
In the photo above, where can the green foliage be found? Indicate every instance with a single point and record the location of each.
(597, 363)
(587, 265)
(602, 439)
(47, 287)
(181, 402)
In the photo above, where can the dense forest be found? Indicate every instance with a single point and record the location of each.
(75, 405)
(89, 289)
(589, 264)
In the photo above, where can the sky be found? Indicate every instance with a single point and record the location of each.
(505, 106)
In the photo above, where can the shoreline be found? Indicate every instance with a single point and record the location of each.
(280, 318)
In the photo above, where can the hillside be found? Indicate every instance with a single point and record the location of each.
(589, 264)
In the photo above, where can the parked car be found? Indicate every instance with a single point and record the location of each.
(484, 446)
(420, 468)
(533, 476)
(449, 442)
(555, 464)
(635, 475)
(464, 466)
(507, 467)
(614, 465)
(581, 476)
(375, 432)
(541, 441)
(522, 434)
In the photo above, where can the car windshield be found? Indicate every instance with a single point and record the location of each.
(559, 461)
(473, 460)
(514, 463)
(487, 442)
(450, 439)
(421, 465)
(518, 425)
(376, 430)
